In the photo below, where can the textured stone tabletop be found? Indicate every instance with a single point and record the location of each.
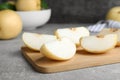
(14, 67)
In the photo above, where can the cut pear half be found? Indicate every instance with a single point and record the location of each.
(96, 44)
(63, 49)
(35, 41)
(106, 31)
(74, 34)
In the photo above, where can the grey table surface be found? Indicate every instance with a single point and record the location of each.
(14, 67)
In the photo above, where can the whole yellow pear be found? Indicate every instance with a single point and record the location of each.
(114, 14)
(10, 24)
(28, 5)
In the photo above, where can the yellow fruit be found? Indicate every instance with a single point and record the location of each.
(28, 5)
(94, 44)
(34, 41)
(113, 14)
(63, 49)
(106, 31)
(74, 34)
(10, 24)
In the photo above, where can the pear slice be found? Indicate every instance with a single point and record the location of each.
(73, 34)
(94, 44)
(63, 49)
(111, 31)
(34, 41)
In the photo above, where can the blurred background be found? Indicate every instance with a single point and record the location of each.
(79, 11)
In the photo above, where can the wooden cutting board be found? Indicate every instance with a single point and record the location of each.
(82, 59)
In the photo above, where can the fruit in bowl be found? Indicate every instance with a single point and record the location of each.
(32, 12)
(28, 5)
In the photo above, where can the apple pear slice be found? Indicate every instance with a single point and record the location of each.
(63, 49)
(34, 41)
(73, 34)
(96, 44)
(111, 31)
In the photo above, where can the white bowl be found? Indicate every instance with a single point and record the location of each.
(35, 18)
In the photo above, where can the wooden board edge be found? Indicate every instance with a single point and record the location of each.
(35, 66)
(46, 71)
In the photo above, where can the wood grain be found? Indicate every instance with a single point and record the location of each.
(82, 59)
